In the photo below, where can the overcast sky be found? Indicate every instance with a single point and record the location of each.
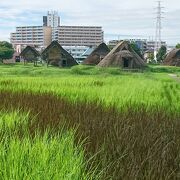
(119, 18)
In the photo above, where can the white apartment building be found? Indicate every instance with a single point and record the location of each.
(79, 53)
(76, 51)
(113, 43)
(42, 36)
(80, 35)
(37, 36)
(52, 20)
(142, 44)
(151, 44)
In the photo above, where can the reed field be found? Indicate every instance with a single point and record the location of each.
(27, 154)
(89, 123)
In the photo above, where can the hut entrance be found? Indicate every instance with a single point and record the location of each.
(64, 62)
(126, 62)
(17, 58)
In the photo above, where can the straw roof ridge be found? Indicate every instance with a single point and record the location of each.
(70, 60)
(102, 47)
(53, 44)
(120, 51)
(173, 58)
(32, 49)
(97, 55)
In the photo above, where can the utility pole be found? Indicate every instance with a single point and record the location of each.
(158, 39)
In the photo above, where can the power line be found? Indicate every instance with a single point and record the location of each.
(159, 17)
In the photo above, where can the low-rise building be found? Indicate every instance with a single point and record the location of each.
(141, 43)
(151, 44)
(76, 51)
(113, 43)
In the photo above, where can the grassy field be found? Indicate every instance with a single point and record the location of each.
(128, 122)
(24, 155)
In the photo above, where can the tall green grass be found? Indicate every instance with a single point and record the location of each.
(146, 141)
(130, 120)
(148, 89)
(42, 156)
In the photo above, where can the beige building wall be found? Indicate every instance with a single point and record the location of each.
(41, 36)
(47, 36)
(80, 35)
(37, 36)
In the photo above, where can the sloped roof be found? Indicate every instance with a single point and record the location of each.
(55, 44)
(29, 48)
(97, 55)
(122, 50)
(88, 52)
(173, 58)
(125, 53)
(70, 59)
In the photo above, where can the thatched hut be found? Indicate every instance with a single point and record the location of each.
(173, 58)
(55, 55)
(97, 55)
(30, 54)
(123, 56)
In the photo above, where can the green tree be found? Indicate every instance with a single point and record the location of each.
(110, 47)
(161, 53)
(6, 44)
(178, 46)
(151, 57)
(6, 50)
(136, 49)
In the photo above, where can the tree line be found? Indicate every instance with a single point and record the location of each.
(6, 50)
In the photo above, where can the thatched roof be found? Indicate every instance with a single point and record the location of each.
(125, 53)
(31, 50)
(173, 58)
(123, 56)
(97, 55)
(55, 54)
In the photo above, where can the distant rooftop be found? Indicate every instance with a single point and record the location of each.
(88, 52)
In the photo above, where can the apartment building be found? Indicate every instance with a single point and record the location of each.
(80, 35)
(141, 43)
(42, 36)
(52, 20)
(151, 44)
(79, 53)
(37, 36)
(113, 43)
(76, 51)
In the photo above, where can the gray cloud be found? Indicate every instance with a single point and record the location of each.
(117, 17)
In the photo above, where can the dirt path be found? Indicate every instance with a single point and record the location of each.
(175, 77)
